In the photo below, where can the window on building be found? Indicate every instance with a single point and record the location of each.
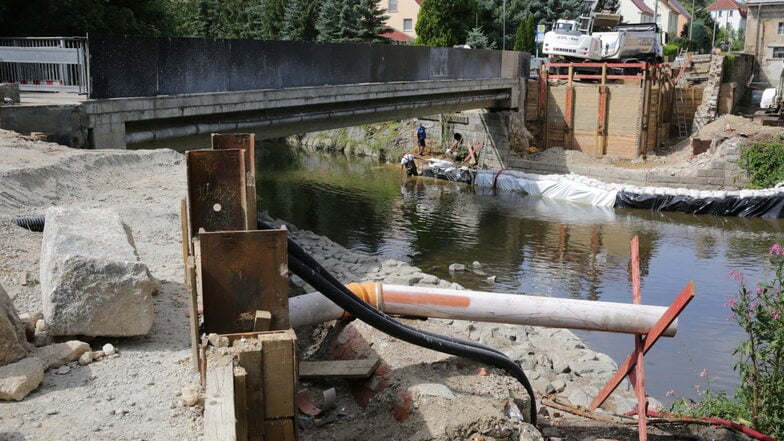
(729, 13)
(408, 24)
(781, 27)
(720, 13)
(392, 7)
(778, 52)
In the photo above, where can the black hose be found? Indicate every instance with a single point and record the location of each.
(313, 273)
(32, 223)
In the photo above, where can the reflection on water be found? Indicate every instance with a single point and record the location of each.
(535, 246)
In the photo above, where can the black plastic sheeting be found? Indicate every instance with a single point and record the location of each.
(449, 174)
(769, 207)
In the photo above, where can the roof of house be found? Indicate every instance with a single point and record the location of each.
(765, 2)
(723, 5)
(643, 7)
(396, 35)
(675, 5)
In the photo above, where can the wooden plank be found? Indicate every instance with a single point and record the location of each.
(601, 123)
(338, 368)
(279, 358)
(240, 403)
(251, 361)
(262, 321)
(247, 143)
(280, 430)
(219, 414)
(243, 272)
(193, 310)
(186, 235)
(216, 190)
(651, 338)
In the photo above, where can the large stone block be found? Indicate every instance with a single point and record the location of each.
(91, 279)
(13, 344)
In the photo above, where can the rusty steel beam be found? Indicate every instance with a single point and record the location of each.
(216, 190)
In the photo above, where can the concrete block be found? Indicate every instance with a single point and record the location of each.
(92, 282)
(13, 344)
(9, 93)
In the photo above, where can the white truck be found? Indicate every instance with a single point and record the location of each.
(772, 105)
(626, 43)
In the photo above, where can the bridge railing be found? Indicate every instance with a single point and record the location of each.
(45, 64)
(148, 66)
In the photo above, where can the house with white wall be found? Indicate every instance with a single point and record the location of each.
(728, 14)
(765, 38)
(402, 16)
(671, 14)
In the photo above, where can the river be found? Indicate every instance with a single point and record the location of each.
(536, 246)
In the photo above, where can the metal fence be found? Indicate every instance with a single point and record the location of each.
(45, 64)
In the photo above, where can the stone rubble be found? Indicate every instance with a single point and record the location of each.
(56, 355)
(20, 378)
(13, 340)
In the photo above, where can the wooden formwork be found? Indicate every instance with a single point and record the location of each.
(621, 115)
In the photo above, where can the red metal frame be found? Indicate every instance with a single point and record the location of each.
(651, 338)
(633, 366)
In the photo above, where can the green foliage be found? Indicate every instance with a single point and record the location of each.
(525, 37)
(728, 67)
(299, 20)
(711, 404)
(671, 49)
(444, 22)
(370, 25)
(78, 17)
(325, 24)
(760, 355)
(764, 163)
(478, 40)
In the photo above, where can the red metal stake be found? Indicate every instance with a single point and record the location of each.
(638, 379)
(666, 320)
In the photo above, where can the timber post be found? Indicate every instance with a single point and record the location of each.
(601, 122)
(569, 111)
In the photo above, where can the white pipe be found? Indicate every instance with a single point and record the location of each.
(489, 307)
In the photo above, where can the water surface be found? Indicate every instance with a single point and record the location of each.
(536, 246)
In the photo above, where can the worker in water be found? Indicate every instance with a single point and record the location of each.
(421, 136)
(409, 164)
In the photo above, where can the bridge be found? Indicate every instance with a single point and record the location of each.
(146, 89)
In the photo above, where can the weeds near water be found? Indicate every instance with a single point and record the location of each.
(759, 400)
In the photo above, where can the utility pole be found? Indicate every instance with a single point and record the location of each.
(503, 38)
(691, 23)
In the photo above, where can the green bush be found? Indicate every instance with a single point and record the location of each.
(758, 310)
(729, 67)
(764, 163)
(671, 49)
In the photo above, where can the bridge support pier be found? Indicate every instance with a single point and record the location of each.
(107, 135)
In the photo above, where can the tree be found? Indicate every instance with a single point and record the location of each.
(444, 22)
(78, 17)
(326, 25)
(478, 40)
(371, 21)
(299, 20)
(525, 37)
(348, 20)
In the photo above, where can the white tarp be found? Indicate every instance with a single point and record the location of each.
(571, 188)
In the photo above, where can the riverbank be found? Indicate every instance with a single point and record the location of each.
(138, 394)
